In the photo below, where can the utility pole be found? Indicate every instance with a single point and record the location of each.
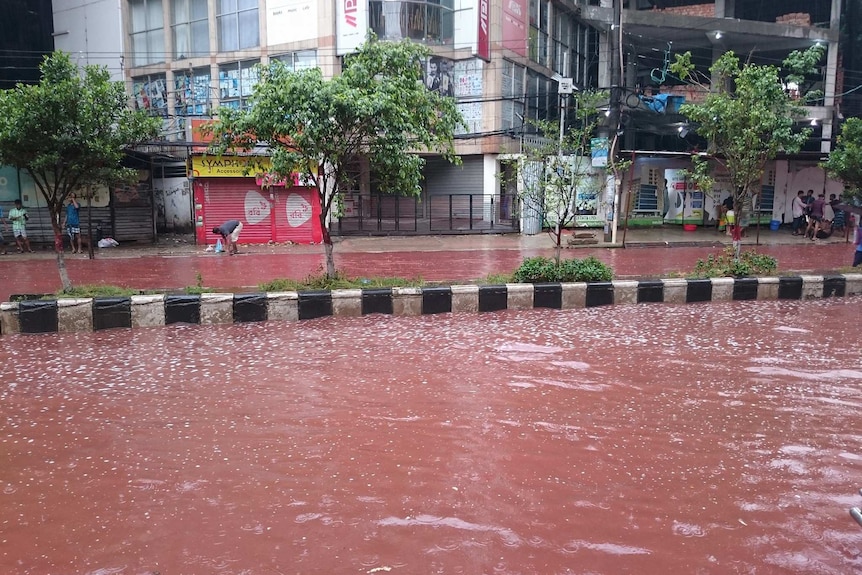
(616, 64)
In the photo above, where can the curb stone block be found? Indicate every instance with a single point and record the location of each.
(315, 304)
(548, 295)
(790, 287)
(74, 314)
(112, 312)
(650, 291)
(519, 296)
(767, 288)
(465, 298)
(148, 310)
(698, 290)
(436, 300)
(574, 295)
(282, 306)
(812, 287)
(625, 292)
(407, 301)
(493, 298)
(182, 309)
(346, 302)
(675, 290)
(249, 307)
(834, 286)
(216, 308)
(722, 289)
(38, 316)
(377, 300)
(745, 289)
(853, 284)
(9, 318)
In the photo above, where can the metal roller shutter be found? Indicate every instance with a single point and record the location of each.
(441, 177)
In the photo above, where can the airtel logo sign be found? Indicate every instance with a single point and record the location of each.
(483, 16)
(350, 8)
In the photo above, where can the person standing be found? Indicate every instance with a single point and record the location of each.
(19, 218)
(815, 222)
(2, 239)
(798, 210)
(229, 231)
(857, 257)
(73, 224)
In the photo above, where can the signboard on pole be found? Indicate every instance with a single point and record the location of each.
(483, 49)
(351, 25)
(599, 148)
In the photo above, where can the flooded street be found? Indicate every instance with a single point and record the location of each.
(649, 439)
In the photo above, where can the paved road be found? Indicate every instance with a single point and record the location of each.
(176, 264)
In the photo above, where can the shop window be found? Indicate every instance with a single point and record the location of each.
(147, 31)
(190, 28)
(238, 25)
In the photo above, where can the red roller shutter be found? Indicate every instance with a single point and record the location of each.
(263, 213)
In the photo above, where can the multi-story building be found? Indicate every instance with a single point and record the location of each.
(182, 59)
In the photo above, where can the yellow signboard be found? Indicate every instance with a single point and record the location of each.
(229, 166)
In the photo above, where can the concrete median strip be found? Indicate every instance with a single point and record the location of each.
(94, 314)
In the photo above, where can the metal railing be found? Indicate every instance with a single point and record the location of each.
(441, 213)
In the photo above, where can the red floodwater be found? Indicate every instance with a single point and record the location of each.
(649, 439)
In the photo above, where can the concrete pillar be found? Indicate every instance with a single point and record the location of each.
(725, 8)
(829, 95)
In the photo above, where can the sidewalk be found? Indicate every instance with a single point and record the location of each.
(176, 262)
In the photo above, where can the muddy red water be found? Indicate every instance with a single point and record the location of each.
(649, 439)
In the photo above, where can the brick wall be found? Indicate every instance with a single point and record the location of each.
(703, 10)
(795, 19)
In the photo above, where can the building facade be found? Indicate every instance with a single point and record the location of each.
(182, 59)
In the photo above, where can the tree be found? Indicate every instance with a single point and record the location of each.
(67, 128)
(553, 175)
(845, 161)
(747, 119)
(378, 109)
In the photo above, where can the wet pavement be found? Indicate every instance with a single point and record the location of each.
(176, 263)
(648, 439)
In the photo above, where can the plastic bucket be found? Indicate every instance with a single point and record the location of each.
(774, 225)
(689, 227)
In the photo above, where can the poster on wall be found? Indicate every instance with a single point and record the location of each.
(351, 25)
(291, 21)
(515, 26)
(684, 199)
(439, 76)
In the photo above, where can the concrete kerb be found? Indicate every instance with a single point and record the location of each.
(76, 315)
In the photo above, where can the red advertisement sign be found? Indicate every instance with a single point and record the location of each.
(484, 47)
(515, 26)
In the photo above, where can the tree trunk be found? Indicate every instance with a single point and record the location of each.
(61, 260)
(327, 247)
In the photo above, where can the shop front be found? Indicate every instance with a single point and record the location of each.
(270, 211)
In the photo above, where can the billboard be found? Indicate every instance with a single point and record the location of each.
(290, 21)
(515, 26)
(483, 47)
(351, 25)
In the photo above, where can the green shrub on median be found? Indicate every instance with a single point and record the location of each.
(541, 269)
(750, 263)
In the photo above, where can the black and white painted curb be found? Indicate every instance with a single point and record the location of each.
(91, 314)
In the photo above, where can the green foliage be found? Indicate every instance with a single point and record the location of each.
(95, 290)
(725, 264)
(845, 161)
(541, 269)
(377, 109)
(747, 118)
(323, 281)
(71, 130)
(552, 174)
